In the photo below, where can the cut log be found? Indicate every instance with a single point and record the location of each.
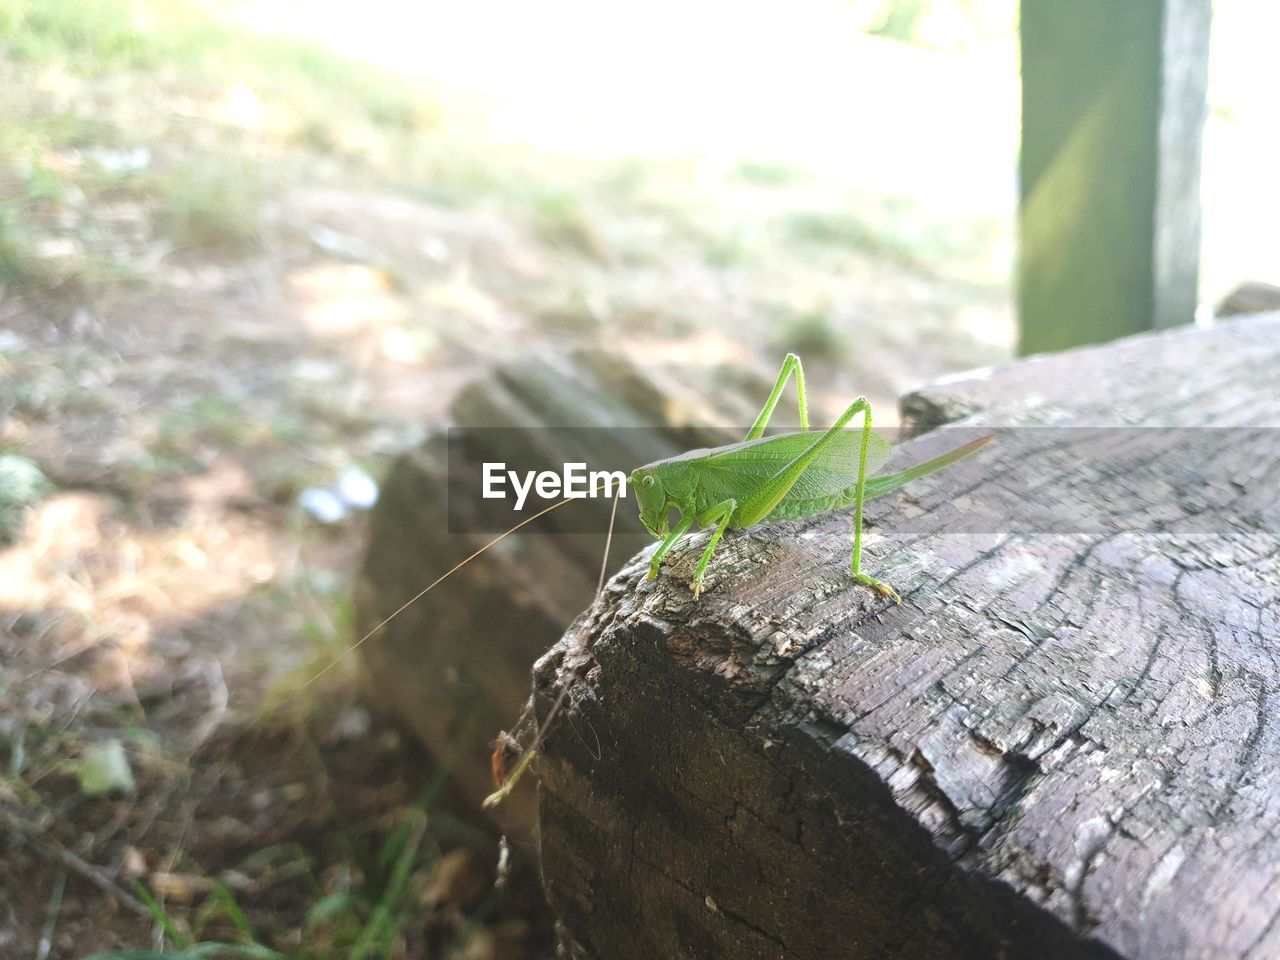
(1252, 296)
(454, 667)
(1057, 746)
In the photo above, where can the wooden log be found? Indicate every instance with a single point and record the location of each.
(454, 667)
(1113, 109)
(1057, 746)
(1252, 296)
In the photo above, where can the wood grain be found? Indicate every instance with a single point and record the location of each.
(1058, 746)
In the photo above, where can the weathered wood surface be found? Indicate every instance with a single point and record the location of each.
(1113, 109)
(454, 667)
(1252, 296)
(1058, 746)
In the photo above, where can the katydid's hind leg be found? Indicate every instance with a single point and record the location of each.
(790, 365)
(762, 503)
(668, 542)
(772, 491)
(859, 496)
(879, 586)
(720, 514)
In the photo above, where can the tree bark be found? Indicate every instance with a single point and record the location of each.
(1059, 745)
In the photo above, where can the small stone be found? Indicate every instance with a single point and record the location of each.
(133, 864)
(104, 769)
(180, 887)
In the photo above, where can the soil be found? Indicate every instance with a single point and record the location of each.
(169, 594)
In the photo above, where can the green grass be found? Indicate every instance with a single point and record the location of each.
(808, 333)
(842, 230)
(215, 208)
(28, 188)
(22, 486)
(366, 923)
(370, 127)
(560, 221)
(901, 19)
(170, 66)
(954, 24)
(211, 419)
(16, 266)
(761, 173)
(97, 37)
(361, 900)
(104, 34)
(366, 920)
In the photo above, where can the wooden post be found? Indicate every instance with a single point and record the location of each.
(1113, 108)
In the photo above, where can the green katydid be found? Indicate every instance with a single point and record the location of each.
(775, 478)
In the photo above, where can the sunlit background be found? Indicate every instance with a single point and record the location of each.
(251, 251)
(916, 101)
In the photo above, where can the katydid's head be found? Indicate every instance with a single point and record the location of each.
(652, 499)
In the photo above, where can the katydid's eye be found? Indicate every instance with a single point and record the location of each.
(648, 481)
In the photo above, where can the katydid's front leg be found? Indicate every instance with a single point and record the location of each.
(668, 542)
(720, 515)
(790, 365)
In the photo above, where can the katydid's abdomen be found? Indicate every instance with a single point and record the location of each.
(793, 507)
(826, 484)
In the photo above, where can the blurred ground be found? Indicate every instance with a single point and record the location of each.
(235, 263)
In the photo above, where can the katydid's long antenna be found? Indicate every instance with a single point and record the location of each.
(604, 561)
(436, 582)
(495, 798)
